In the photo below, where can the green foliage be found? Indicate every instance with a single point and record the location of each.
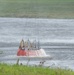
(31, 70)
(37, 8)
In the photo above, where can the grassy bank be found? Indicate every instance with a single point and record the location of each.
(29, 70)
(37, 8)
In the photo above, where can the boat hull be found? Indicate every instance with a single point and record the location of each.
(31, 53)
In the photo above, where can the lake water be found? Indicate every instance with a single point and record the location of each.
(56, 37)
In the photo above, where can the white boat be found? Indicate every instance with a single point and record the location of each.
(30, 49)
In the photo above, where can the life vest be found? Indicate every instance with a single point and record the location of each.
(21, 52)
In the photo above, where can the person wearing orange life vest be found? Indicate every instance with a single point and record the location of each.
(21, 50)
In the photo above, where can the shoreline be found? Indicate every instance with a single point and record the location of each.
(37, 18)
(34, 17)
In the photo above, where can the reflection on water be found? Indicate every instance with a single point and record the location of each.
(56, 36)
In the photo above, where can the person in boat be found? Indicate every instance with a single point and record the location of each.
(21, 50)
(22, 45)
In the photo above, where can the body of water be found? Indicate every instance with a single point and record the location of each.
(56, 37)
